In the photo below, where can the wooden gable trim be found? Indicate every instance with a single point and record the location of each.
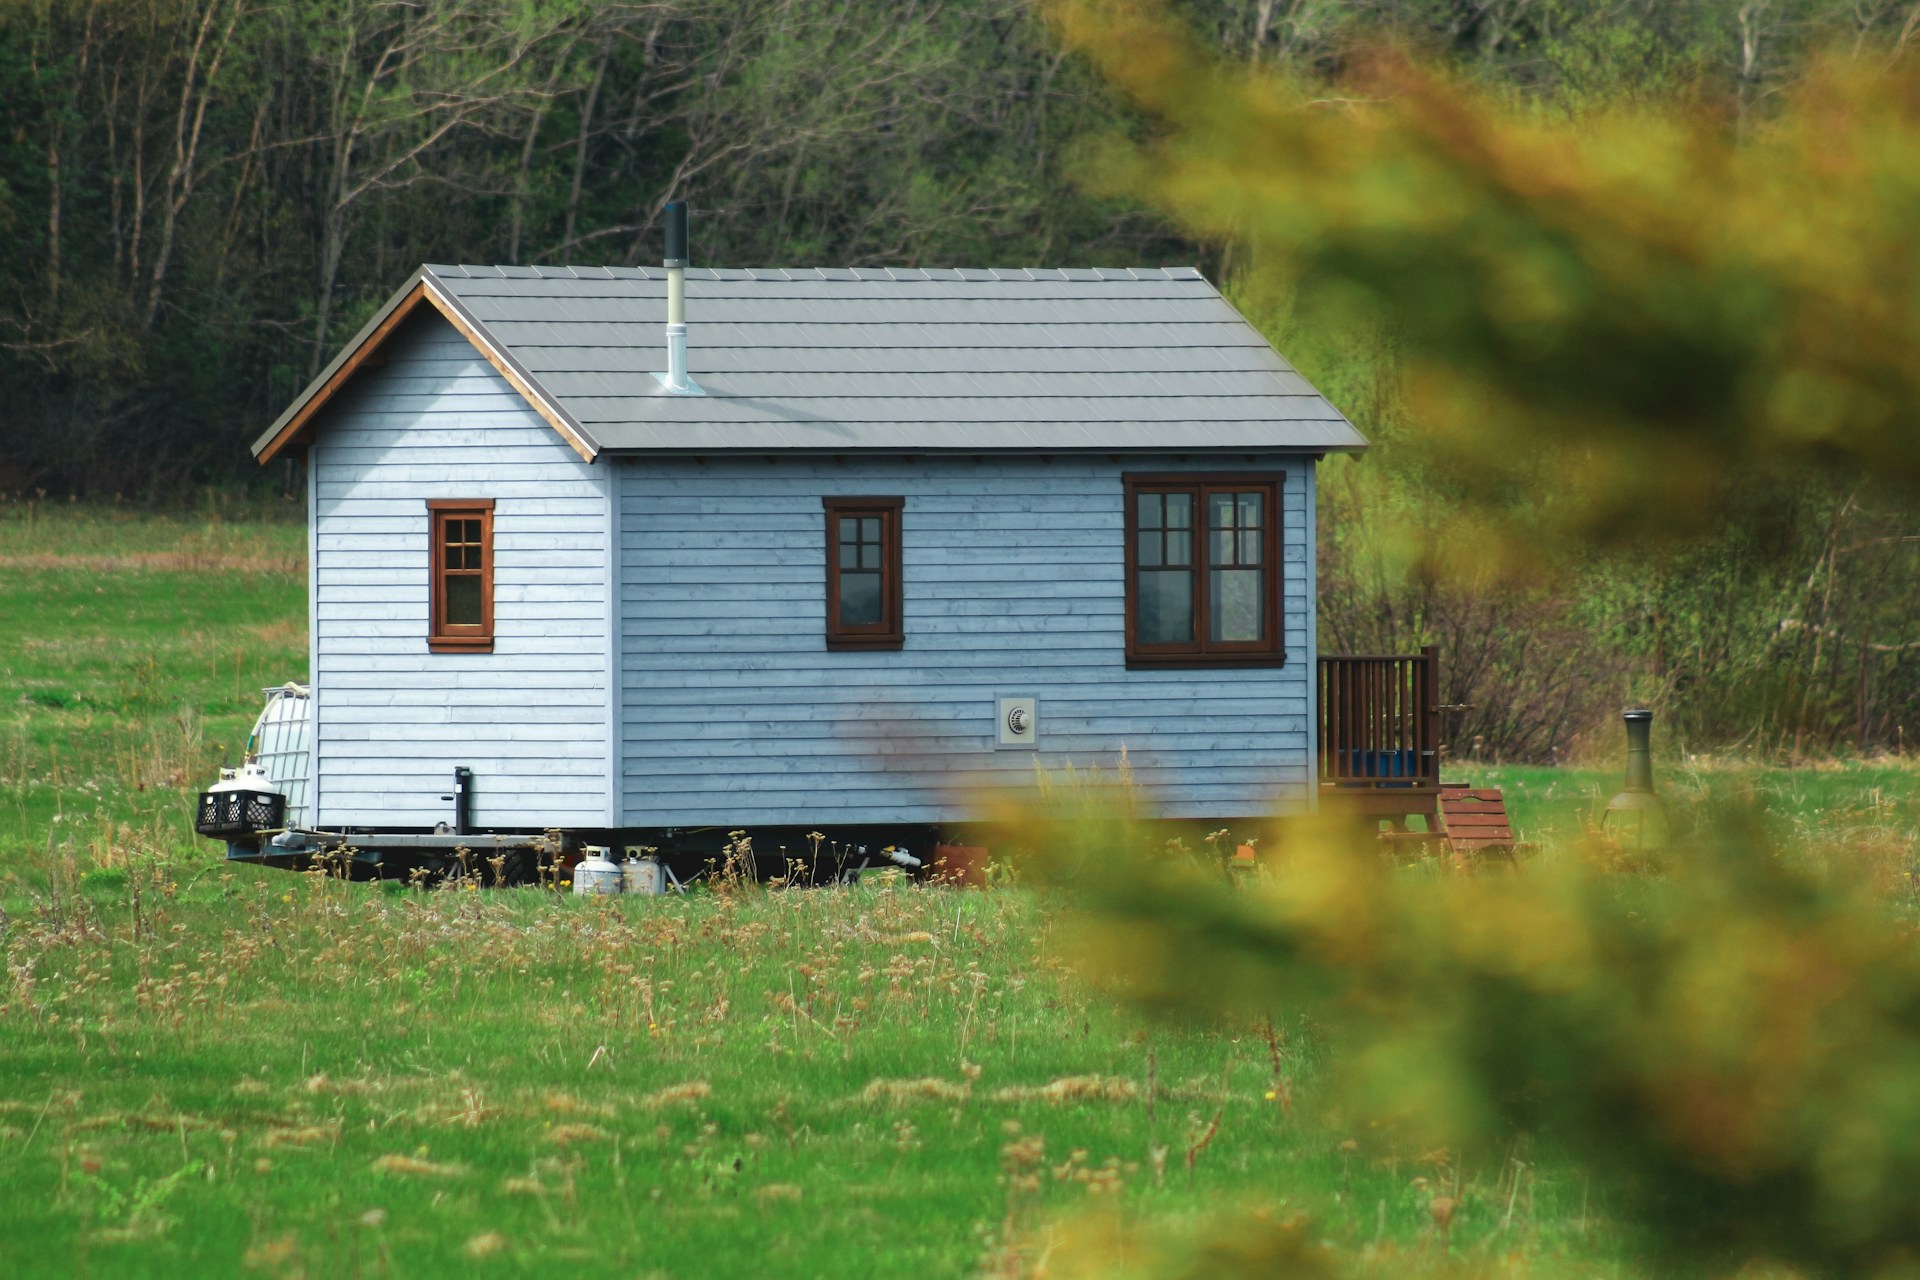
(510, 369)
(291, 427)
(366, 351)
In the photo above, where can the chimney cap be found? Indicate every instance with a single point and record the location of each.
(676, 214)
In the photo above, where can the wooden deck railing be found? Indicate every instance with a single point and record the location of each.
(1379, 722)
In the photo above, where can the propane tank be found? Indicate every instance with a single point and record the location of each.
(250, 776)
(242, 802)
(640, 874)
(596, 873)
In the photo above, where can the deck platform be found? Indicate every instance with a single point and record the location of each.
(1379, 735)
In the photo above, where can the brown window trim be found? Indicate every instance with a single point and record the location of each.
(441, 636)
(890, 631)
(1201, 653)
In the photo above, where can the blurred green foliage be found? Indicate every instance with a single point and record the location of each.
(1618, 328)
(1727, 1043)
(1608, 327)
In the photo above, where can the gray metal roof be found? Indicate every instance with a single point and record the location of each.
(835, 360)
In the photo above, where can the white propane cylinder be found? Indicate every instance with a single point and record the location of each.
(248, 777)
(596, 873)
(641, 875)
(242, 802)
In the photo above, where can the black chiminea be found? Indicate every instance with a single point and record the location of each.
(1636, 817)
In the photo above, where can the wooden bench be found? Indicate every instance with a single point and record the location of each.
(1471, 820)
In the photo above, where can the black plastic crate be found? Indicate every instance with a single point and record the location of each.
(239, 813)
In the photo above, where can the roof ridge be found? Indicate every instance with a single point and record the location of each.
(846, 274)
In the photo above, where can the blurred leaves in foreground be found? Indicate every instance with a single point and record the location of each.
(1730, 1046)
(1610, 324)
(1613, 329)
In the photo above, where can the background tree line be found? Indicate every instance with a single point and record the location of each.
(200, 199)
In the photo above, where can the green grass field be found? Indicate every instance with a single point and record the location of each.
(208, 1069)
(313, 1077)
(133, 650)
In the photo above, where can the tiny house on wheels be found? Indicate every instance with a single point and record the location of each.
(624, 555)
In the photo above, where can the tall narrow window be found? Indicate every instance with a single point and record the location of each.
(1203, 569)
(863, 573)
(462, 576)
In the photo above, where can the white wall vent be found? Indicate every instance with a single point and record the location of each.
(1019, 722)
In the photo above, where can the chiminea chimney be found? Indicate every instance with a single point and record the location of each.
(1636, 817)
(675, 379)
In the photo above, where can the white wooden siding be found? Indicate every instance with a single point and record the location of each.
(733, 710)
(532, 718)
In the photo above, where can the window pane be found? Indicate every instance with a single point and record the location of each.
(1250, 547)
(1179, 548)
(469, 530)
(1148, 553)
(454, 557)
(1150, 510)
(473, 557)
(463, 600)
(849, 531)
(1220, 511)
(859, 599)
(1252, 506)
(1179, 510)
(849, 555)
(1220, 546)
(1164, 613)
(1234, 610)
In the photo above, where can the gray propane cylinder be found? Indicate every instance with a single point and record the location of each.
(641, 875)
(595, 874)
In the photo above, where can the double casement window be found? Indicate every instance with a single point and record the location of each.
(1203, 569)
(863, 573)
(461, 551)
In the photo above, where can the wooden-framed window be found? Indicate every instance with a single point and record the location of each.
(461, 551)
(863, 573)
(1203, 569)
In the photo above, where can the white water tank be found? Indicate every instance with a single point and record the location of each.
(281, 748)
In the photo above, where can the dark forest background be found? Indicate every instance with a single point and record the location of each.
(200, 199)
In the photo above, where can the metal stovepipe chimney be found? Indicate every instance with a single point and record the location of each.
(675, 379)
